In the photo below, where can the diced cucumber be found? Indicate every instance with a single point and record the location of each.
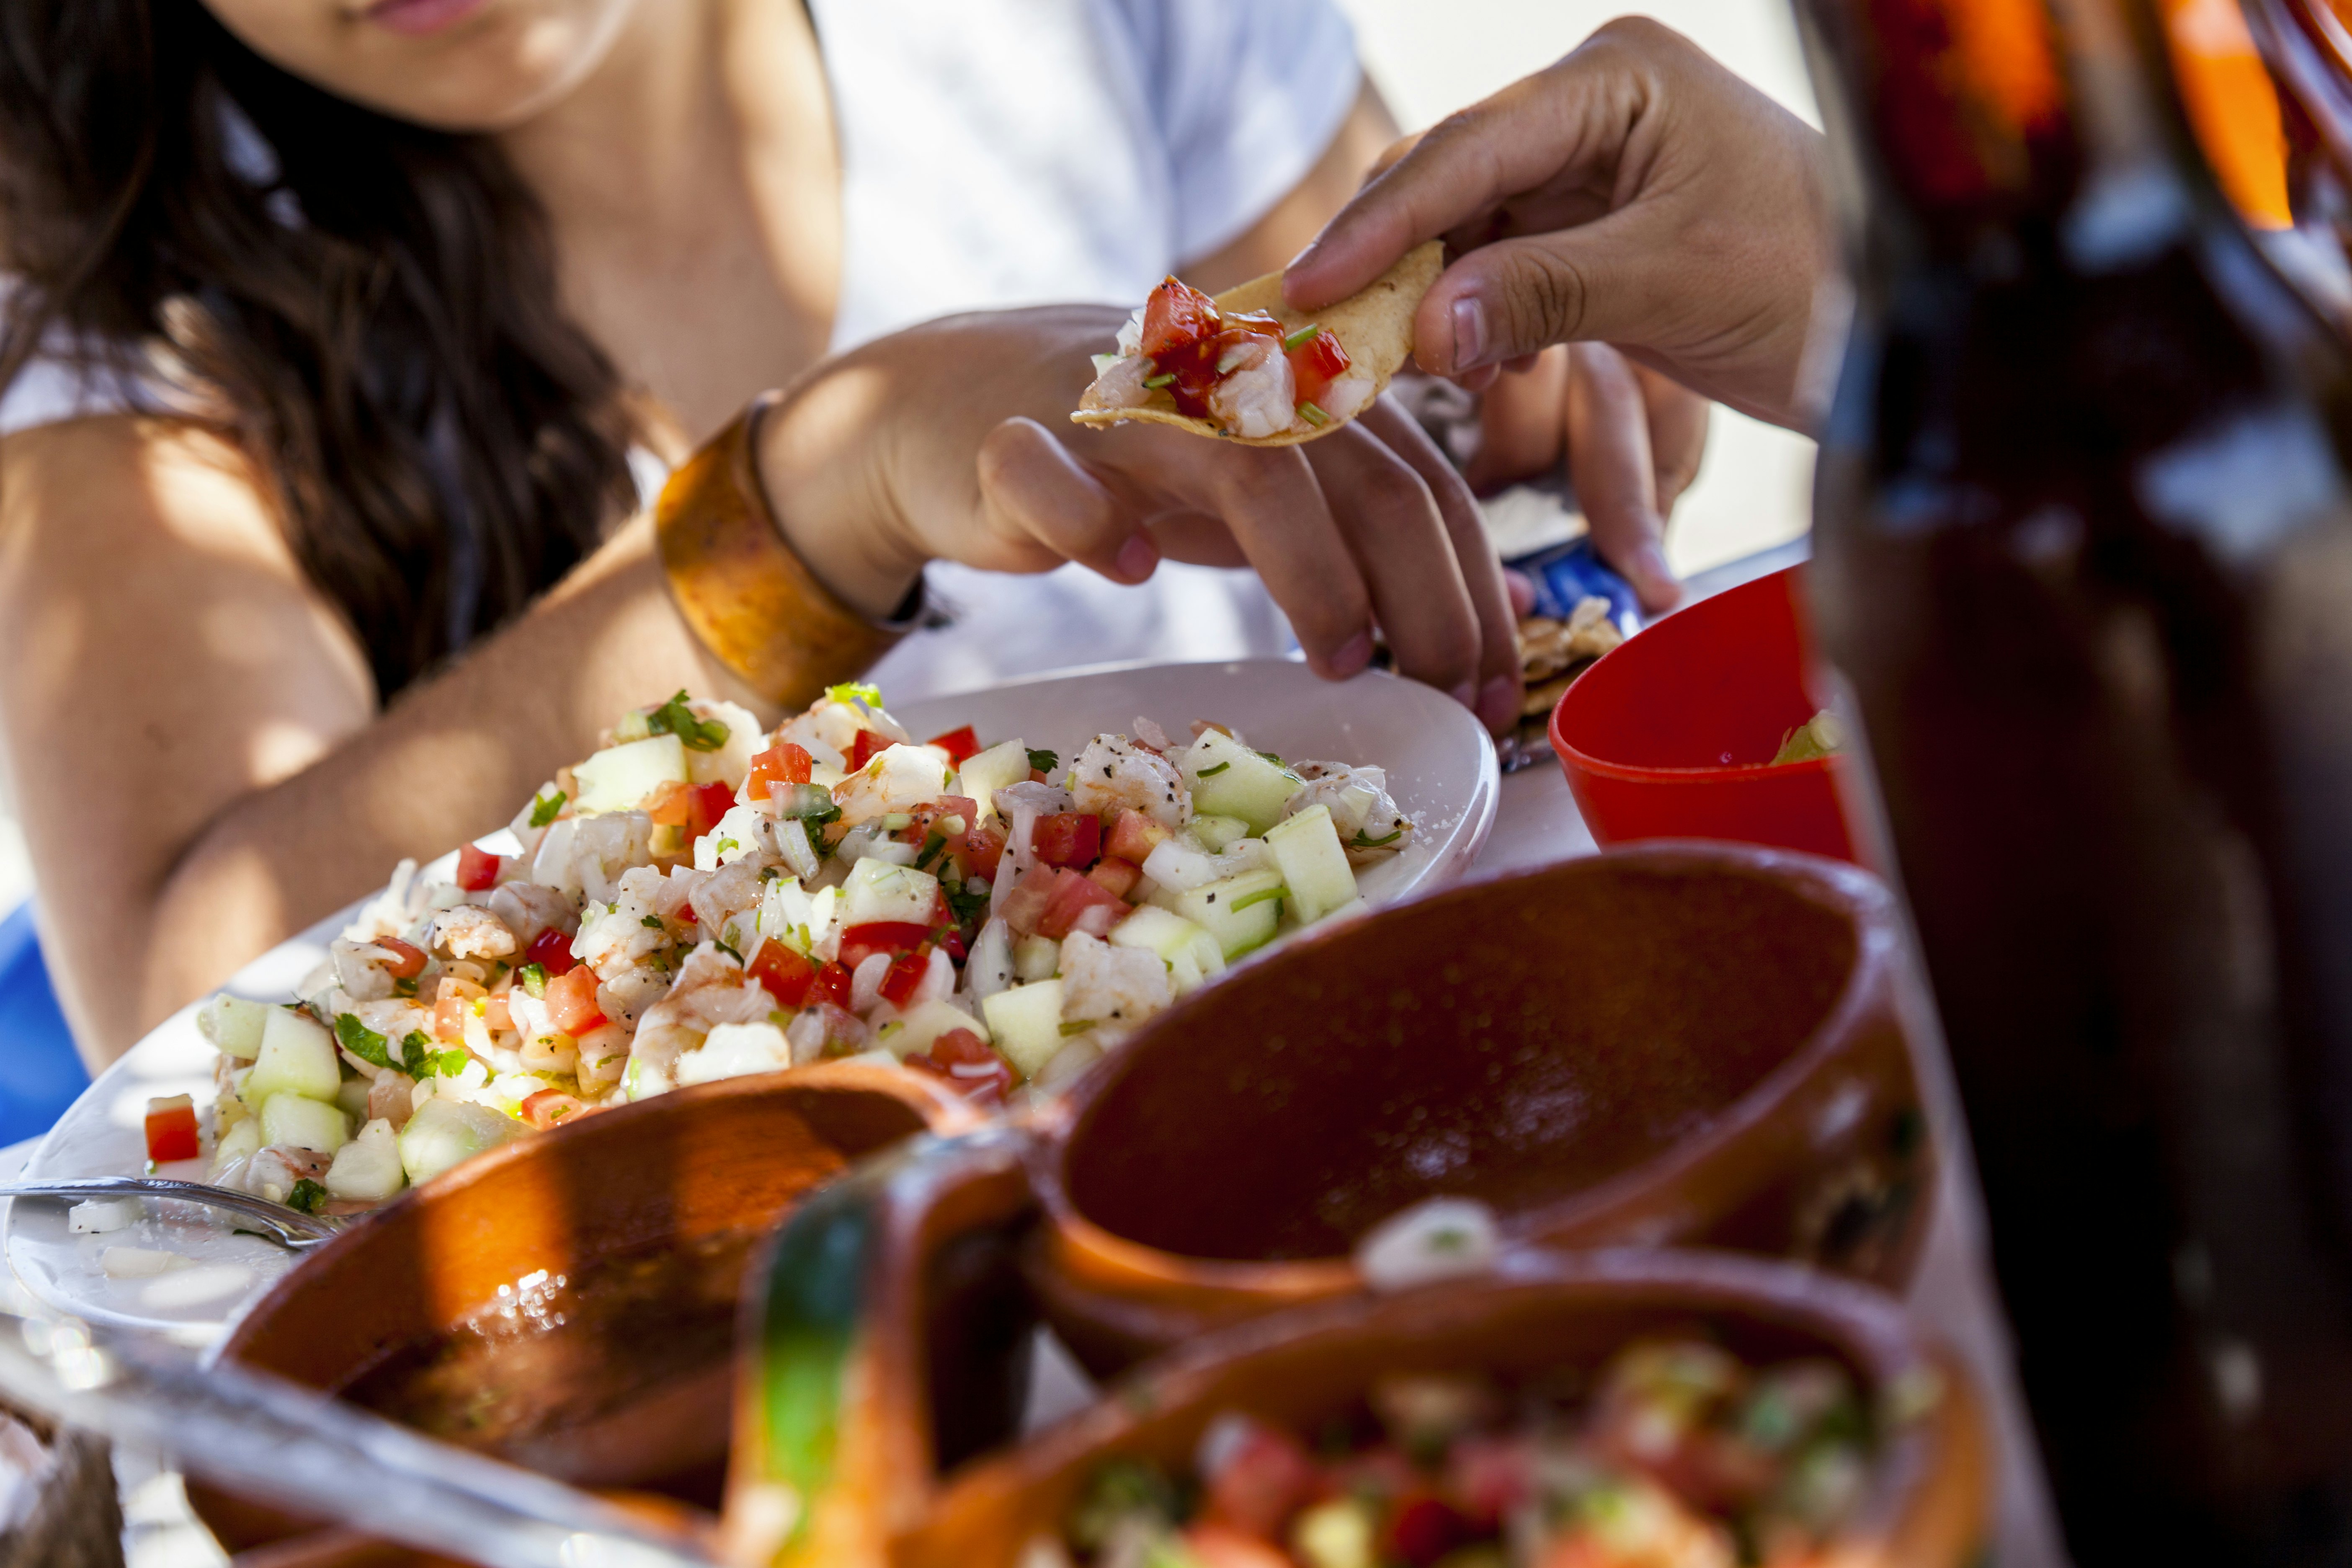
(300, 1123)
(235, 1144)
(368, 1165)
(1228, 779)
(619, 777)
(297, 1057)
(1313, 864)
(448, 1132)
(923, 1026)
(351, 1098)
(878, 890)
(234, 1026)
(1241, 912)
(989, 771)
(1035, 958)
(1027, 1024)
(1163, 931)
(1215, 832)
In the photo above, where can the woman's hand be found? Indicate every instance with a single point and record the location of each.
(1632, 439)
(1635, 194)
(873, 471)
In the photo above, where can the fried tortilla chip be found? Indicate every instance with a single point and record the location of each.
(1375, 326)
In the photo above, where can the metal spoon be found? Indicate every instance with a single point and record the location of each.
(290, 1228)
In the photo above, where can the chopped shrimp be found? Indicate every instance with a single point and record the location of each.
(471, 932)
(1257, 397)
(1101, 982)
(390, 1098)
(271, 1172)
(529, 909)
(1120, 385)
(900, 779)
(1367, 818)
(1114, 772)
(1347, 395)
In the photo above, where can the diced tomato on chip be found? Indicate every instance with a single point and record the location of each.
(571, 1002)
(1177, 316)
(1315, 364)
(477, 869)
(1072, 838)
(171, 1129)
(958, 744)
(552, 951)
(783, 764)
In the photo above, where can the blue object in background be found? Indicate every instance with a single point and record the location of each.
(39, 1072)
(1573, 571)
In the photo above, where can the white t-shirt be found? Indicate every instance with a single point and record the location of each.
(1005, 153)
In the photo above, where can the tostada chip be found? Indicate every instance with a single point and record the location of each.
(1246, 366)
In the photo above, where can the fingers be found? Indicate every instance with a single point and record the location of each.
(1610, 461)
(1496, 684)
(1276, 511)
(1392, 527)
(1039, 506)
(1679, 418)
(1522, 421)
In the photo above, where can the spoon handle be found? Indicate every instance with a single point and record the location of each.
(292, 1223)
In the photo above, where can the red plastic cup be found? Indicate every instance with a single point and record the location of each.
(1672, 734)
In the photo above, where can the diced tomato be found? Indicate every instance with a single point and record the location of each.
(1424, 1528)
(1214, 1546)
(868, 746)
(1134, 834)
(958, 744)
(409, 961)
(686, 915)
(668, 804)
(544, 1108)
(1025, 906)
(782, 763)
(963, 1061)
(832, 985)
(707, 803)
(983, 847)
(571, 1002)
(1115, 876)
(1177, 316)
(787, 973)
(552, 951)
(171, 1129)
(1315, 364)
(477, 869)
(907, 972)
(860, 942)
(1264, 1478)
(1078, 904)
(925, 820)
(954, 945)
(495, 1014)
(1072, 838)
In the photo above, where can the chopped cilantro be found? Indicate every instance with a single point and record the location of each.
(1361, 842)
(652, 922)
(721, 942)
(361, 1041)
(543, 808)
(855, 691)
(965, 905)
(1212, 773)
(307, 1196)
(1270, 757)
(1043, 762)
(419, 1059)
(675, 718)
(1303, 336)
(723, 846)
(405, 986)
(931, 847)
(533, 978)
(1313, 416)
(1156, 381)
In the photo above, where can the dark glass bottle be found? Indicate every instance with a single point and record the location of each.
(2084, 551)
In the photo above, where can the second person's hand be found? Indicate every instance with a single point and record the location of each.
(1368, 527)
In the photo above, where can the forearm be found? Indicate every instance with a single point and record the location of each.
(452, 759)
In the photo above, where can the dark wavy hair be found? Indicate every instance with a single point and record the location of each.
(377, 316)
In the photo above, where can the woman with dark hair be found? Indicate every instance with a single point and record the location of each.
(336, 328)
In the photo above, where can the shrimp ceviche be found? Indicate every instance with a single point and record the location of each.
(1678, 1455)
(699, 900)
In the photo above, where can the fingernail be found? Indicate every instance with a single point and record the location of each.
(1304, 256)
(1469, 333)
(1137, 558)
(1352, 655)
(1499, 703)
(1656, 581)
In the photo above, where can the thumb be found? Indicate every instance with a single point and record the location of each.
(1041, 506)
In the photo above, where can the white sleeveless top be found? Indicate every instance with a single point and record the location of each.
(998, 153)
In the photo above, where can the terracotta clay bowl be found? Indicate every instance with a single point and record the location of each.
(1683, 1043)
(882, 1493)
(633, 1227)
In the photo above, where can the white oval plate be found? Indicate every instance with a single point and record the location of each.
(1441, 769)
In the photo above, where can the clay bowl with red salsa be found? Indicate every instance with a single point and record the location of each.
(569, 1303)
(1681, 1044)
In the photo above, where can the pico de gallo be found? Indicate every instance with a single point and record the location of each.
(699, 900)
(1245, 373)
(1677, 1454)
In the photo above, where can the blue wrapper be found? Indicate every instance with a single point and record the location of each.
(1569, 573)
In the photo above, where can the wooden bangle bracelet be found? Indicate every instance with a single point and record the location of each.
(747, 596)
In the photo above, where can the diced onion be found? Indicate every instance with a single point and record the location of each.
(1438, 1238)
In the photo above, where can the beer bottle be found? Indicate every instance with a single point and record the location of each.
(2083, 554)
